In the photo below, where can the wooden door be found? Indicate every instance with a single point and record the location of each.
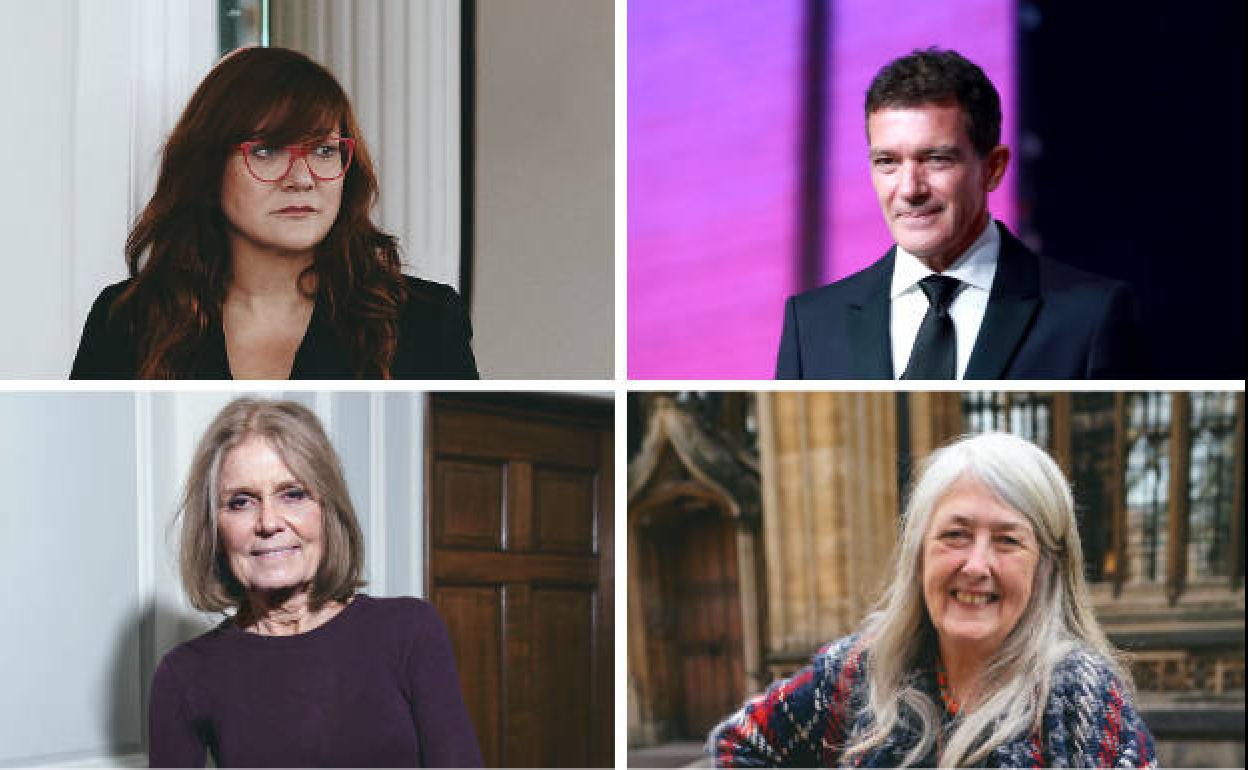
(702, 592)
(520, 566)
(705, 594)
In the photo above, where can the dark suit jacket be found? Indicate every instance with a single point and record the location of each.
(434, 337)
(1045, 320)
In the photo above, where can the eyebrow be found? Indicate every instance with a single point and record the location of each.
(943, 149)
(247, 489)
(999, 526)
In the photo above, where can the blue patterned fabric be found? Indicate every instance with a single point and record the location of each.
(807, 721)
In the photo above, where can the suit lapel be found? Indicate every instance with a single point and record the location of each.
(871, 356)
(1012, 304)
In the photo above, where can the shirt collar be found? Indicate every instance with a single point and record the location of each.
(976, 266)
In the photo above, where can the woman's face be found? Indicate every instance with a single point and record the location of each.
(270, 526)
(289, 216)
(979, 559)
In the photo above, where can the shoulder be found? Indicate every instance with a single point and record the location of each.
(101, 310)
(399, 609)
(1082, 666)
(185, 661)
(1085, 679)
(851, 289)
(435, 334)
(1090, 716)
(113, 291)
(847, 651)
(416, 621)
(429, 294)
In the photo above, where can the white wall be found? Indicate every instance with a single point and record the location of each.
(90, 89)
(543, 270)
(89, 561)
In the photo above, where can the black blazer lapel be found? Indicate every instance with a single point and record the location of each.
(871, 355)
(1012, 304)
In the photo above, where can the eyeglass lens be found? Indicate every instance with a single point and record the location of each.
(327, 160)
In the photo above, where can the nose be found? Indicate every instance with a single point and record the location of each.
(981, 560)
(299, 177)
(267, 521)
(913, 185)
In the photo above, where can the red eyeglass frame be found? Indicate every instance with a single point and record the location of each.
(297, 151)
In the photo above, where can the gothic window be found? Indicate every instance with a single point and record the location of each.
(1147, 485)
(1211, 483)
(1029, 415)
(1127, 456)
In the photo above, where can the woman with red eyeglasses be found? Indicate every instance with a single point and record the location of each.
(256, 256)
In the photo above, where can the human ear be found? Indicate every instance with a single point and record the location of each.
(994, 166)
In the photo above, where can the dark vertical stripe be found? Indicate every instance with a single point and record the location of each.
(467, 143)
(904, 460)
(1025, 144)
(813, 158)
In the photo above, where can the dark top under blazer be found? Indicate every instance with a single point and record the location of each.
(434, 337)
(1044, 320)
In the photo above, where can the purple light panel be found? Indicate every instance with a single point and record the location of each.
(713, 111)
(714, 130)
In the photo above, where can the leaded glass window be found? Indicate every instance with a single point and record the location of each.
(1092, 469)
(1147, 485)
(1029, 415)
(1211, 482)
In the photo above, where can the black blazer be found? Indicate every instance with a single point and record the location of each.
(1045, 320)
(434, 337)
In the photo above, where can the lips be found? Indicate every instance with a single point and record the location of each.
(918, 215)
(275, 552)
(975, 598)
(297, 210)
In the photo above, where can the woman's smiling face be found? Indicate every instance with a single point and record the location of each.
(979, 562)
(270, 525)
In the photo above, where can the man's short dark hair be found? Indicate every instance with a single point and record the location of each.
(934, 76)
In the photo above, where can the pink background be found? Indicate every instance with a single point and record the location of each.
(714, 110)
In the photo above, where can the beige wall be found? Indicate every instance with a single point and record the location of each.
(542, 278)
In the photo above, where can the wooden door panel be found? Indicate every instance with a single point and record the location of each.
(520, 504)
(477, 657)
(468, 503)
(474, 434)
(563, 620)
(709, 617)
(563, 504)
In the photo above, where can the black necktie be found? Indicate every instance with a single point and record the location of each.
(935, 348)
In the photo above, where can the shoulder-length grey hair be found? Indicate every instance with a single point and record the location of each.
(296, 435)
(899, 635)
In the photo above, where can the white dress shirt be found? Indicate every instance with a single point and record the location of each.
(975, 268)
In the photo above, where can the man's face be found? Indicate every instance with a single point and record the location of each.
(933, 188)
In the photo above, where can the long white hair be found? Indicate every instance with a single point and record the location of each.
(899, 635)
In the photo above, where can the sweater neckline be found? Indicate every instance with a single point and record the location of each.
(326, 629)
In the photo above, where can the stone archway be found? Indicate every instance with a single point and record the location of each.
(693, 610)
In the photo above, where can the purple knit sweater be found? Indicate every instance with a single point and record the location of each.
(373, 687)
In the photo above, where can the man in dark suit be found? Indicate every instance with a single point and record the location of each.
(957, 296)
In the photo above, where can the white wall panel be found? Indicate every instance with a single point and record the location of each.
(399, 63)
(543, 262)
(93, 89)
(70, 658)
(88, 548)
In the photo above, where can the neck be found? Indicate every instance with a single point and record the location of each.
(283, 613)
(942, 262)
(963, 669)
(260, 276)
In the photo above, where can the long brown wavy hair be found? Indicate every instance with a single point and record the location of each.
(178, 253)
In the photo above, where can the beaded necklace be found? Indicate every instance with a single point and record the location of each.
(946, 694)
